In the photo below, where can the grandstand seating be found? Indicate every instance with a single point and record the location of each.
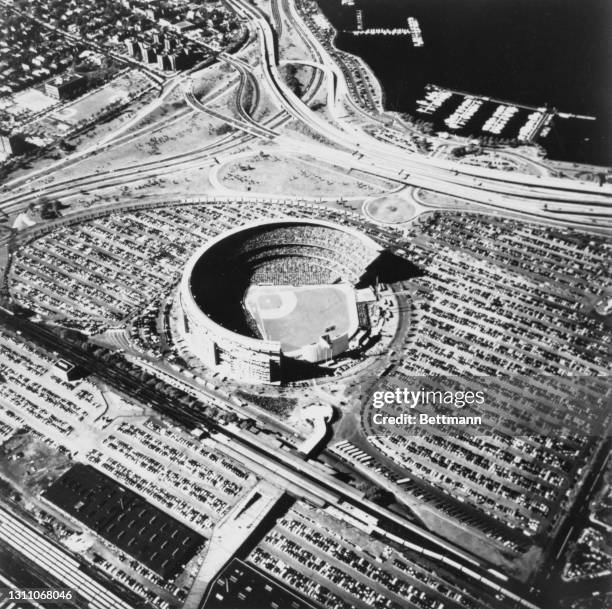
(322, 242)
(284, 253)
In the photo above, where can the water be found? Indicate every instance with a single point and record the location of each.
(526, 51)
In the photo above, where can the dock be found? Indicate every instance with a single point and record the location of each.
(537, 122)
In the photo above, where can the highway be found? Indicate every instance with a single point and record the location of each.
(564, 200)
(439, 175)
(125, 133)
(556, 199)
(247, 79)
(247, 125)
(75, 187)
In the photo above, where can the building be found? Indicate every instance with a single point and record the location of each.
(68, 371)
(162, 61)
(132, 47)
(183, 26)
(147, 53)
(283, 261)
(6, 148)
(12, 143)
(65, 87)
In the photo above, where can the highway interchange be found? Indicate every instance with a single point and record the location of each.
(559, 199)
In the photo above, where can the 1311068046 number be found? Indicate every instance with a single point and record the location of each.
(42, 595)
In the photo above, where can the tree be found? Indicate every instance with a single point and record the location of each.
(379, 495)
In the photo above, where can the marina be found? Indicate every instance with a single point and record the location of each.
(434, 99)
(463, 114)
(471, 114)
(527, 78)
(536, 121)
(499, 119)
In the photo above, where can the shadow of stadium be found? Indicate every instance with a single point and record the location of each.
(389, 268)
(295, 370)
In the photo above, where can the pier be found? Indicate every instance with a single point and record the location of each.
(498, 121)
(359, 17)
(381, 31)
(413, 30)
(434, 98)
(506, 102)
(535, 124)
(463, 114)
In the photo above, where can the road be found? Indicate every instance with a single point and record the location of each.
(561, 199)
(439, 175)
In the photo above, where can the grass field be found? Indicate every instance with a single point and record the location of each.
(286, 175)
(32, 100)
(121, 89)
(391, 209)
(299, 316)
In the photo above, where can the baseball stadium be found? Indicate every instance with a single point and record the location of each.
(261, 298)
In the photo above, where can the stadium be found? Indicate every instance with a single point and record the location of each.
(262, 300)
